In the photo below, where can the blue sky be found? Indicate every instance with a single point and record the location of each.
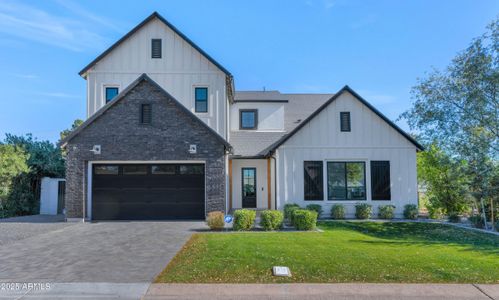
(379, 48)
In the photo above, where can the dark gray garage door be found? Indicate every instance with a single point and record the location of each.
(147, 192)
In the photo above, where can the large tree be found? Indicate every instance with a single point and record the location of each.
(458, 108)
(12, 165)
(44, 159)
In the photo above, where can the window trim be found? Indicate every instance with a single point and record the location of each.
(349, 129)
(160, 48)
(141, 113)
(253, 110)
(207, 98)
(372, 181)
(104, 88)
(322, 179)
(346, 180)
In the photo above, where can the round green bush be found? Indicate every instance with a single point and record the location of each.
(338, 212)
(244, 219)
(304, 219)
(315, 207)
(271, 219)
(411, 211)
(454, 217)
(288, 209)
(363, 211)
(386, 211)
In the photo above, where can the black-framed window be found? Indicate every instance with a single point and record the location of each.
(111, 92)
(345, 123)
(313, 180)
(156, 48)
(248, 119)
(380, 180)
(146, 113)
(201, 99)
(346, 180)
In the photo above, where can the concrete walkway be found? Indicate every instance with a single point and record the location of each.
(322, 291)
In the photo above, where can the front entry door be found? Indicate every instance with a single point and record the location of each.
(249, 187)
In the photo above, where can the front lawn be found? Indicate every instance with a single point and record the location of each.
(344, 252)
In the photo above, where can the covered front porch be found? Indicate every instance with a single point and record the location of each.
(251, 183)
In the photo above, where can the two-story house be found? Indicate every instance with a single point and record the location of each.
(167, 136)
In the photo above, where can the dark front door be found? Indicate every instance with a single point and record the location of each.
(148, 191)
(249, 187)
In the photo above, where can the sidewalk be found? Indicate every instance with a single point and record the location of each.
(323, 291)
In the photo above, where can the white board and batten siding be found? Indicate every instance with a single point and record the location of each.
(371, 138)
(180, 69)
(270, 115)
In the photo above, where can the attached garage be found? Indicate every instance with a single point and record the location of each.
(148, 191)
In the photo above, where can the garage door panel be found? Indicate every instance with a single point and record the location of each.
(149, 196)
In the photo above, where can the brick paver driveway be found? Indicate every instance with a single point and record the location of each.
(116, 252)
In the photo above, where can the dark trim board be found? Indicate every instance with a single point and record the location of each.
(261, 101)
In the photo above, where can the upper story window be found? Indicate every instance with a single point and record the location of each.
(201, 99)
(156, 48)
(248, 119)
(111, 92)
(345, 121)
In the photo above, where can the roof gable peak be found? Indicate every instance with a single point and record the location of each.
(154, 15)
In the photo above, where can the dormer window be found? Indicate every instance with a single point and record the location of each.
(111, 92)
(248, 119)
(156, 48)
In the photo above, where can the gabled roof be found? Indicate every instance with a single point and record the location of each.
(346, 88)
(125, 92)
(142, 24)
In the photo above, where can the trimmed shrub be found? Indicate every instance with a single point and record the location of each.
(411, 211)
(304, 219)
(386, 211)
(338, 211)
(288, 209)
(476, 221)
(315, 207)
(363, 211)
(271, 219)
(244, 219)
(215, 220)
(454, 217)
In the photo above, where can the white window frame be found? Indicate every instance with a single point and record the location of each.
(103, 90)
(208, 100)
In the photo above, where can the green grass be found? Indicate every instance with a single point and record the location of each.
(344, 252)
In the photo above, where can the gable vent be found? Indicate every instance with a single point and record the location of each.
(146, 114)
(156, 48)
(345, 121)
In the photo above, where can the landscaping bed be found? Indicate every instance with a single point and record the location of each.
(343, 252)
